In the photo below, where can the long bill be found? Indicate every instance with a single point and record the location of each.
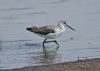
(70, 27)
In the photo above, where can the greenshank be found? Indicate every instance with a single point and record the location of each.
(50, 32)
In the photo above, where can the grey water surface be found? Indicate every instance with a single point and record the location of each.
(20, 48)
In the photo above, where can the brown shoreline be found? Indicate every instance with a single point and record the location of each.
(80, 65)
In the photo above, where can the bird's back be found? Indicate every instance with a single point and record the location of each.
(42, 30)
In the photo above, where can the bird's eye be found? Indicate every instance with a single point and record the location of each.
(64, 22)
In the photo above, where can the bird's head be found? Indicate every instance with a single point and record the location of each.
(64, 22)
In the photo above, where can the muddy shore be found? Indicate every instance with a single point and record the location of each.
(80, 65)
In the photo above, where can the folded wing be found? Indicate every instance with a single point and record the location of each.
(42, 30)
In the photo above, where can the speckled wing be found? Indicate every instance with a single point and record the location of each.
(43, 30)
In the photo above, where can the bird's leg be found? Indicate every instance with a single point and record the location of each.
(51, 41)
(56, 43)
(44, 42)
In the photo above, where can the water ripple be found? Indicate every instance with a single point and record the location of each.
(94, 48)
(34, 13)
(56, 2)
(10, 9)
(8, 18)
(32, 44)
(91, 13)
(86, 48)
(15, 41)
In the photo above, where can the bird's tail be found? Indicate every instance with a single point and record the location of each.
(32, 29)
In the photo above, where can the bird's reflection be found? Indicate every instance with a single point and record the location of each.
(49, 54)
(46, 56)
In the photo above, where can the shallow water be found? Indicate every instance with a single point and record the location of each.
(20, 48)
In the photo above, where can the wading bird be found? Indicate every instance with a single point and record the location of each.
(50, 32)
